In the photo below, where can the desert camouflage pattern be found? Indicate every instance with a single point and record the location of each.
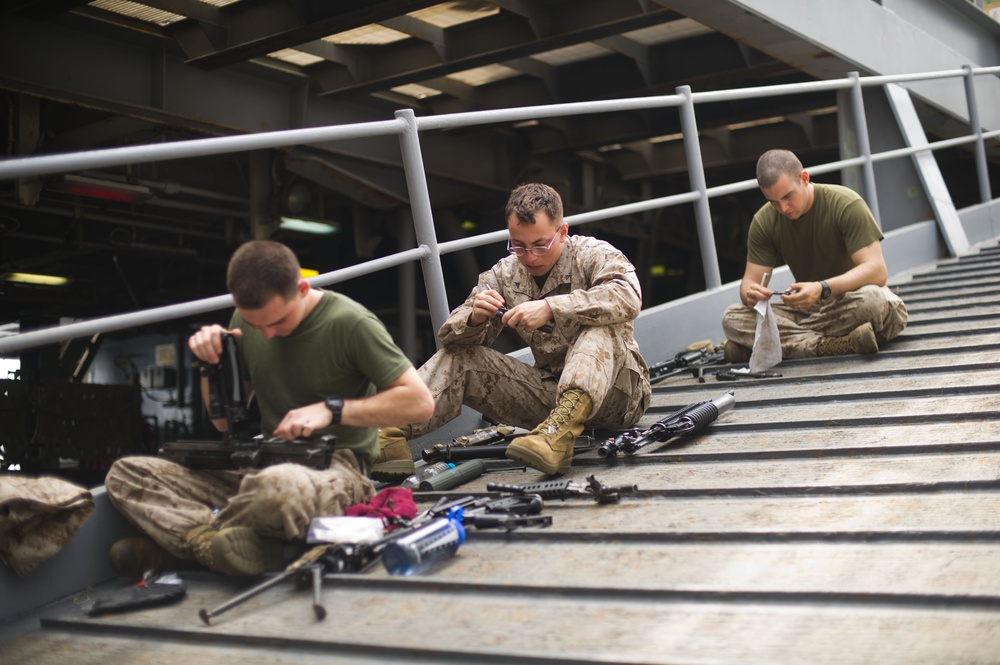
(802, 330)
(164, 499)
(38, 518)
(594, 296)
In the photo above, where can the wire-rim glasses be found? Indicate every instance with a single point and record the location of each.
(517, 250)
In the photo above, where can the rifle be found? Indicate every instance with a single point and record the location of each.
(562, 489)
(685, 361)
(238, 449)
(506, 513)
(480, 437)
(687, 421)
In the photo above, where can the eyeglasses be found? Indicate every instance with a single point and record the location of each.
(517, 250)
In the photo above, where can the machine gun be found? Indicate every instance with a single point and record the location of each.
(238, 449)
(479, 513)
(687, 421)
(685, 361)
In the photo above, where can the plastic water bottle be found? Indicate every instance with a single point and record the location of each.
(426, 547)
(414, 481)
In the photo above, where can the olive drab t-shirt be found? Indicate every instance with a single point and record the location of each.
(340, 349)
(819, 244)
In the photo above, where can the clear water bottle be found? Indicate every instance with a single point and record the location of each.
(414, 481)
(426, 547)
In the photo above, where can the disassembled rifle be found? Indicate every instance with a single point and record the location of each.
(238, 449)
(684, 422)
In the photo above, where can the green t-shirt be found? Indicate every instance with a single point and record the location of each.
(340, 349)
(819, 244)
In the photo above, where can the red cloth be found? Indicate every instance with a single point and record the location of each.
(389, 504)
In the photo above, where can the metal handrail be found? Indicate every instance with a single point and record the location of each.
(407, 127)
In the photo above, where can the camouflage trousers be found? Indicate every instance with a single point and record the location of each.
(515, 393)
(164, 499)
(38, 517)
(802, 330)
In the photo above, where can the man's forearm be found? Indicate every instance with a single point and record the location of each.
(862, 275)
(390, 408)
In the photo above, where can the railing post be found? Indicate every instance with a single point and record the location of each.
(696, 174)
(423, 218)
(864, 145)
(982, 170)
(406, 289)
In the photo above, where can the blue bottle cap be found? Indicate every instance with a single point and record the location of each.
(455, 517)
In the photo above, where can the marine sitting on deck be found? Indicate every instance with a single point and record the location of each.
(839, 303)
(320, 363)
(588, 370)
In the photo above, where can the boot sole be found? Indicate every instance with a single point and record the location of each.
(238, 551)
(396, 470)
(528, 457)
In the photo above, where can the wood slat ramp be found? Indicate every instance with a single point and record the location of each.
(845, 512)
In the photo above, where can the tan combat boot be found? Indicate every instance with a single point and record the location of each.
(734, 353)
(236, 550)
(134, 555)
(860, 340)
(395, 461)
(549, 447)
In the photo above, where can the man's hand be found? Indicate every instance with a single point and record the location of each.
(528, 315)
(804, 296)
(757, 292)
(206, 344)
(485, 306)
(302, 422)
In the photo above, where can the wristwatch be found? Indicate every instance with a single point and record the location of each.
(336, 406)
(826, 290)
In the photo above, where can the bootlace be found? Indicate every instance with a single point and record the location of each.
(562, 413)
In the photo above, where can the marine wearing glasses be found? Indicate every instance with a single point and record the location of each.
(537, 250)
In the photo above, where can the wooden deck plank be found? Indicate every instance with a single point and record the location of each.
(849, 411)
(761, 514)
(717, 441)
(976, 469)
(529, 626)
(954, 569)
(954, 378)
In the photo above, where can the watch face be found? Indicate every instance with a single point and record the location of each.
(336, 406)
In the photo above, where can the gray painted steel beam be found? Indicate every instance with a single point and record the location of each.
(927, 167)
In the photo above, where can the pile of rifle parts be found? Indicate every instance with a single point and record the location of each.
(696, 361)
(692, 361)
(518, 506)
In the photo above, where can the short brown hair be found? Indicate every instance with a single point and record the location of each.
(773, 163)
(260, 270)
(533, 197)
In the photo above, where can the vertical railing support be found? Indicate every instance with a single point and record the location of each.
(406, 290)
(982, 170)
(696, 174)
(423, 218)
(864, 145)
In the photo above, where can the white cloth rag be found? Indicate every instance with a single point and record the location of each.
(766, 342)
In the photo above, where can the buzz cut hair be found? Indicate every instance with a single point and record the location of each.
(773, 163)
(260, 270)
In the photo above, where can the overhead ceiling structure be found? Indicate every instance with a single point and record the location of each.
(79, 75)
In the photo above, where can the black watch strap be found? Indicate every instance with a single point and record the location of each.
(336, 406)
(826, 290)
